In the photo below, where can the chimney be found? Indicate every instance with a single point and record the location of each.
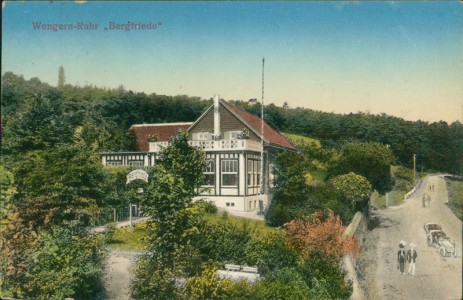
(216, 116)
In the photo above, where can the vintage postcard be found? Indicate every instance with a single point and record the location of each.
(231, 150)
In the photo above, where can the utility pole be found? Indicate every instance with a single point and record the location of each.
(414, 169)
(261, 196)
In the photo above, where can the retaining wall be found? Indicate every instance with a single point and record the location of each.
(356, 228)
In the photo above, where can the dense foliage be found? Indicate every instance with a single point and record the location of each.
(61, 184)
(321, 234)
(354, 189)
(455, 188)
(53, 184)
(186, 250)
(310, 196)
(288, 272)
(438, 145)
(370, 160)
(169, 200)
(52, 262)
(66, 262)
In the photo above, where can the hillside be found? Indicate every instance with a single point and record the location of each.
(297, 138)
(438, 146)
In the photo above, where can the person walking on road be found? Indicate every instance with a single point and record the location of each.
(423, 198)
(401, 257)
(428, 199)
(411, 258)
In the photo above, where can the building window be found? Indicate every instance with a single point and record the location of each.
(253, 173)
(114, 163)
(232, 204)
(232, 135)
(209, 173)
(257, 173)
(250, 173)
(271, 175)
(201, 136)
(229, 171)
(135, 163)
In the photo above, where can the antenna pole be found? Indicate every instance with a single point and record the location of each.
(261, 194)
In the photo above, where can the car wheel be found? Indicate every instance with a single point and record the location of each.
(442, 251)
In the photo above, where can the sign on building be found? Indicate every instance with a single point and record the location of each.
(137, 174)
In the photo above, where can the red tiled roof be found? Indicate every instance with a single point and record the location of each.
(163, 132)
(270, 135)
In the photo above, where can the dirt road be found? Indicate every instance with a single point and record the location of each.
(118, 274)
(436, 277)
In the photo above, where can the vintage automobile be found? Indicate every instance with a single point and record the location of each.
(439, 240)
(431, 226)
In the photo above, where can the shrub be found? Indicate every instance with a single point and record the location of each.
(322, 234)
(326, 278)
(66, 263)
(278, 214)
(225, 242)
(109, 233)
(403, 178)
(276, 289)
(208, 207)
(209, 286)
(153, 281)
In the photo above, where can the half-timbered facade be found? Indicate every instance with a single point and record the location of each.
(234, 145)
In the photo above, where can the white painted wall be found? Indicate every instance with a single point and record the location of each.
(241, 203)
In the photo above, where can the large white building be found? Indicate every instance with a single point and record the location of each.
(233, 142)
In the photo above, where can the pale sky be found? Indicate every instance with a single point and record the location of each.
(399, 58)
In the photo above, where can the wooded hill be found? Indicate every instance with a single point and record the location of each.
(105, 115)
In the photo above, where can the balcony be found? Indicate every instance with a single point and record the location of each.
(212, 145)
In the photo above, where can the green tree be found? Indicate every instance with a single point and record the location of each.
(170, 194)
(41, 124)
(168, 200)
(291, 188)
(61, 77)
(290, 173)
(226, 242)
(59, 185)
(13, 235)
(371, 160)
(355, 189)
(102, 134)
(66, 262)
(284, 283)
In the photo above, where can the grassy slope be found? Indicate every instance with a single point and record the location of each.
(294, 138)
(258, 226)
(126, 239)
(455, 188)
(403, 177)
(317, 176)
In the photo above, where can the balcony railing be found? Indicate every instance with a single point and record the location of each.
(211, 145)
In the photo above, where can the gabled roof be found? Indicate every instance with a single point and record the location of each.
(163, 132)
(271, 136)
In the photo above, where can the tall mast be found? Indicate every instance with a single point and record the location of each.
(262, 143)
